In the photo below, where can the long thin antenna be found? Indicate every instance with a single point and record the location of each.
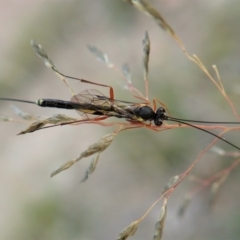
(201, 129)
(196, 121)
(17, 100)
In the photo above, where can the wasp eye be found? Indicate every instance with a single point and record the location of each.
(158, 121)
(160, 116)
(160, 110)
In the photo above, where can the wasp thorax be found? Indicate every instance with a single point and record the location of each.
(145, 112)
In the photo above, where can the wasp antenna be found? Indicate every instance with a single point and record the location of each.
(196, 121)
(201, 129)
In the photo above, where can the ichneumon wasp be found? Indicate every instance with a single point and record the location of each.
(93, 102)
(94, 107)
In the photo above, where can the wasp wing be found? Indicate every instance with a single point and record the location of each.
(93, 102)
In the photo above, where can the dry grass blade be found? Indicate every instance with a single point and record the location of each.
(56, 119)
(128, 231)
(218, 78)
(48, 62)
(38, 49)
(63, 167)
(33, 127)
(22, 114)
(215, 187)
(184, 205)
(172, 181)
(59, 118)
(98, 147)
(146, 52)
(160, 223)
(91, 168)
(148, 9)
(126, 73)
(103, 57)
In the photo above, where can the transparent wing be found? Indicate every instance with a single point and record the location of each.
(95, 98)
(91, 96)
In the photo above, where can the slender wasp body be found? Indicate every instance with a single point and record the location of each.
(93, 102)
(103, 106)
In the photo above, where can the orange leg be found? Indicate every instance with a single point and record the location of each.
(111, 92)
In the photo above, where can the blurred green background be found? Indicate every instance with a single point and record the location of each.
(132, 172)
